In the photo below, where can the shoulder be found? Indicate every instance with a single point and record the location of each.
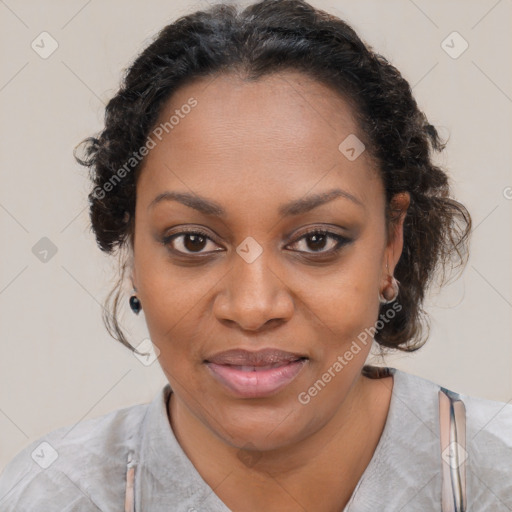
(488, 438)
(489, 452)
(61, 470)
(487, 421)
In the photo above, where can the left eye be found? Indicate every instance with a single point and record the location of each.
(319, 239)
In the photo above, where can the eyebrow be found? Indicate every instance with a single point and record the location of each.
(295, 207)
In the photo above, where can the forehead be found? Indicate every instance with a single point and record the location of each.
(279, 134)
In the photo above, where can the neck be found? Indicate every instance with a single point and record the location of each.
(333, 457)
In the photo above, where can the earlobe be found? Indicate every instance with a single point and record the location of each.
(390, 292)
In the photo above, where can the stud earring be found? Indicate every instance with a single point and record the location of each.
(135, 304)
(390, 292)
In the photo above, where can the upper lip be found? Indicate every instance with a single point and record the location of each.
(264, 357)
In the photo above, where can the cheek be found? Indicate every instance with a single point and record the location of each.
(349, 293)
(346, 306)
(167, 294)
(171, 310)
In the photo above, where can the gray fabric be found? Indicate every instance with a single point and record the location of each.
(404, 474)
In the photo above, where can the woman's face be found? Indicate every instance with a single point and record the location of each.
(256, 166)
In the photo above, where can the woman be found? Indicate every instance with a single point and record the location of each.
(268, 181)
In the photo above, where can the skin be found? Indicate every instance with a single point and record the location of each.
(252, 147)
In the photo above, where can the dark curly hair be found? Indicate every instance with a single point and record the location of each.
(264, 38)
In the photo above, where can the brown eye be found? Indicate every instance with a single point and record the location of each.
(318, 240)
(188, 242)
(193, 242)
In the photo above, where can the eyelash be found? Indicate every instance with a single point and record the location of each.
(341, 241)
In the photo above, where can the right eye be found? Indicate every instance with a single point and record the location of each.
(188, 242)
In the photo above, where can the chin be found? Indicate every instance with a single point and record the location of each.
(262, 427)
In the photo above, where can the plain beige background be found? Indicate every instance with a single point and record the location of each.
(59, 365)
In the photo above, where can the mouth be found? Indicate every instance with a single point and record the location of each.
(255, 374)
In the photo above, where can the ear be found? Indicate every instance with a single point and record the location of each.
(399, 204)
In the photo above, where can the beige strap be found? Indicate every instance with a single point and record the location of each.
(129, 500)
(452, 427)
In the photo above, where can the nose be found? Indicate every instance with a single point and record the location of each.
(254, 295)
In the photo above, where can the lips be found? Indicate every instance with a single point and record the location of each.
(266, 358)
(247, 374)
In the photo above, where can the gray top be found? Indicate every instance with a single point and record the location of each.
(87, 467)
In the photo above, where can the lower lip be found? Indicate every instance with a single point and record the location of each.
(256, 384)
